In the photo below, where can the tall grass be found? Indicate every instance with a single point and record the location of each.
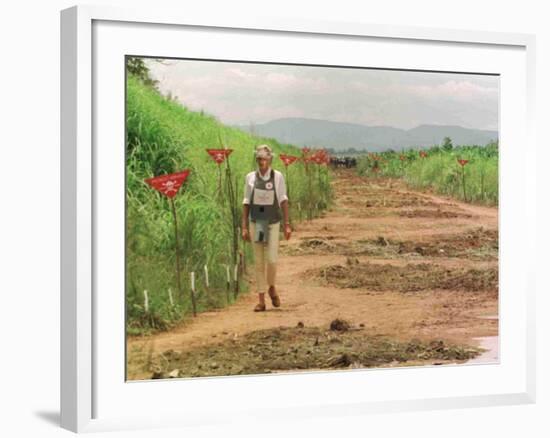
(163, 137)
(441, 171)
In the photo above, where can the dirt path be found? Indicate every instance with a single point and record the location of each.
(389, 260)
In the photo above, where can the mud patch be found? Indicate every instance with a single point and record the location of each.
(396, 200)
(316, 245)
(475, 244)
(340, 325)
(374, 197)
(303, 348)
(372, 212)
(321, 237)
(433, 213)
(409, 278)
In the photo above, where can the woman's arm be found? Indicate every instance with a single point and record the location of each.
(284, 207)
(283, 202)
(286, 219)
(246, 209)
(244, 224)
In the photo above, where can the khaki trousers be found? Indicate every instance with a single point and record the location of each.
(265, 257)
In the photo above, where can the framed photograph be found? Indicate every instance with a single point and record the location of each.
(292, 216)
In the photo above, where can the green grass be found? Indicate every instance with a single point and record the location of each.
(164, 137)
(441, 171)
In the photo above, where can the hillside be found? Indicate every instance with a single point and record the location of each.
(340, 136)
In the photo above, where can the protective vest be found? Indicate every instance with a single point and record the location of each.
(265, 205)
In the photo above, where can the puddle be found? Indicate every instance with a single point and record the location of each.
(491, 355)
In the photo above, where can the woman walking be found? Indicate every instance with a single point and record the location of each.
(265, 198)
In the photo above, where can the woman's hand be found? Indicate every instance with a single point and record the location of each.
(288, 231)
(245, 234)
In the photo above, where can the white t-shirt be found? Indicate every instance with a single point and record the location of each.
(280, 185)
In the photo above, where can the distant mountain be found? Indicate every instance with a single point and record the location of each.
(341, 136)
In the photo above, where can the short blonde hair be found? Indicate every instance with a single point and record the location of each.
(264, 151)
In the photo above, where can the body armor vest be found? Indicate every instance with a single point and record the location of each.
(265, 205)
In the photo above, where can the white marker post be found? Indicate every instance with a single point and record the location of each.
(193, 294)
(171, 297)
(207, 281)
(145, 300)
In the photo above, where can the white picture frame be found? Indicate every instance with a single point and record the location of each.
(93, 397)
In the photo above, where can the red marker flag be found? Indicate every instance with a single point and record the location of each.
(287, 159)
(219, 155)
(462, 162)
(322, 157)
(168, 184)
(318, 157)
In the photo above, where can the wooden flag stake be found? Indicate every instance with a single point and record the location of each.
(228, 283)
(236, 278)
(169, 185)
(178, 275)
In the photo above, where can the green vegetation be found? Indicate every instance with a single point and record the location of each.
(475, 181)
(165, 137)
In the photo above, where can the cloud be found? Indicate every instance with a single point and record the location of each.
(460, 90)
(240, 73)
(241, 93)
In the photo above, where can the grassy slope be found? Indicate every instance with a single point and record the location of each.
(164, 137)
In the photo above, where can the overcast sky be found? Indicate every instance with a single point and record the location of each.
(242, 93)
